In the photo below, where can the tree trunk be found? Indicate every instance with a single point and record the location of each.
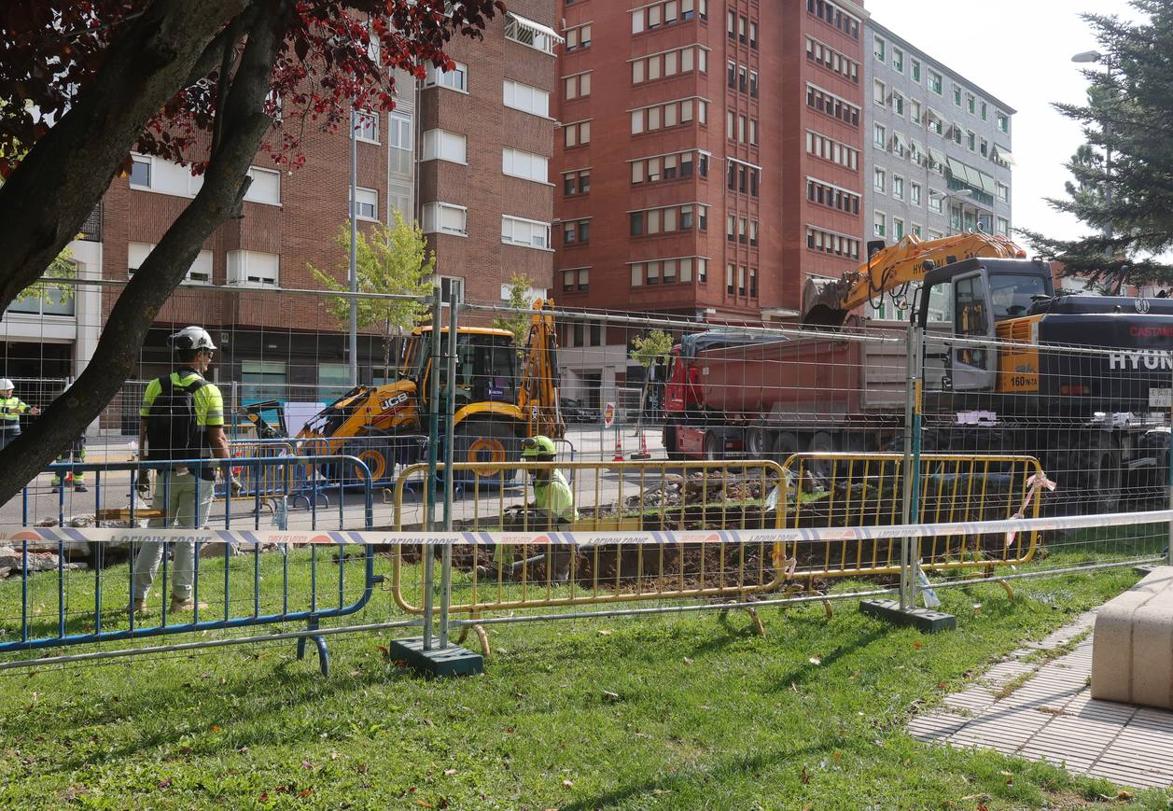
(64, 175)
(118, 349)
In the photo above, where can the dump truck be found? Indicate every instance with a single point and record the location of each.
(503, 394)
(1101, 419)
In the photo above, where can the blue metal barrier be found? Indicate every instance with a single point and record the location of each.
(312, 616)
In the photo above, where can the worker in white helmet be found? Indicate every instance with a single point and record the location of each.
(11, 407)
(182, 418)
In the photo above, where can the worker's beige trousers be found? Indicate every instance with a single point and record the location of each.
(177, 501)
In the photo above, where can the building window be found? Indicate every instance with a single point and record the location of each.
(577, 232)
(832, 105)
(1003, 226)
(879, 92)
(829, 58)
(897, 228)
(528, 233)
(200, 271)
(914, 196)
(915, 70)
(265, 186)
(578, 182)
(956, 95)
(667, 13)
(452, 289)
(971, 141)
(262, 380)
(898, 104)
(971, 103)
(578, 37)
(1002, 120)
(140, 172)
(528, 99)
(879, 224)
(1003, 191)
(577, 133)
(445, 146)
(897, 60)
(366, 205)
(829, 242)
(880, 180)
(401, 137)
(670, 114)
(525, 165)
(253, 269)
(834, 16)
(914, 112)
(668, 219)
(445, 218)
(897, 187)
(880, 50)
(827, 194)
(880, 135)
(935, 82)
(577, 87)
(529, 33)
(455, 79)
(669, 63)
(366, 126)
(831, 150)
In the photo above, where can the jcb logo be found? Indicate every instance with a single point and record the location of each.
(392, 403)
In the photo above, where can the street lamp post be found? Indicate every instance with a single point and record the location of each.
(353, 274)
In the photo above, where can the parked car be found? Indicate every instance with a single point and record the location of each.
(574, 411)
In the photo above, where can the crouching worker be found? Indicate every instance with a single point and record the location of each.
(552, 509)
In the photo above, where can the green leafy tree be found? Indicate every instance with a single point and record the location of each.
(519, 301)
(389, 260)
(647, 350)
(1122, 177)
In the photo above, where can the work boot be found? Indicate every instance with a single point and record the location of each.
(179, 604)
(138, 608)
(80, 488)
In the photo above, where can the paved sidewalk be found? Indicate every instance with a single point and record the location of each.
(1040, 708)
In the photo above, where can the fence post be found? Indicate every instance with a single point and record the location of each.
(433, 436)
(910, 547)
(1169, 476)
(449, 473)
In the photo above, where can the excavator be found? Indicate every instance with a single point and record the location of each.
(496, 404)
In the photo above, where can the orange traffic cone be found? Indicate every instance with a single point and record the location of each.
(618, 457)
(643, 447)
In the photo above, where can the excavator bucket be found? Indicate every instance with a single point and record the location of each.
(821, 301)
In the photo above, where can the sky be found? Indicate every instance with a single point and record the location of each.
(1020, 51)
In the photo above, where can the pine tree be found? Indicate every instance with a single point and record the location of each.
(1122, 182)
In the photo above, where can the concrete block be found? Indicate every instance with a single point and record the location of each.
(1132, 648)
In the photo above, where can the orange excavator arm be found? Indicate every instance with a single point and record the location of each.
(538, 395)
(828, 302)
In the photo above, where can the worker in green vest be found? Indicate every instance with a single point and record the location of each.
(552, 508)
(11, 407)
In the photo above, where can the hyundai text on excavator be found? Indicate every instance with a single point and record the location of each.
(497, 404)
(1090, 417)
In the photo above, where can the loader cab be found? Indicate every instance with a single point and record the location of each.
(486, 365)
(968, 299)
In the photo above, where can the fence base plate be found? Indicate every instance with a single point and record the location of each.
(924, 619)
(450, 661)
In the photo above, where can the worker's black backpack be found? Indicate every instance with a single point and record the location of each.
(172, 429)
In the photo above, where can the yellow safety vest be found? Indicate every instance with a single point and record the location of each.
(555, 497)
(10, 410)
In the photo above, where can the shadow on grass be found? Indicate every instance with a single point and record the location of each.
(741, 764)
(246, 700)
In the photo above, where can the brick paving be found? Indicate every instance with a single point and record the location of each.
(1043, 710)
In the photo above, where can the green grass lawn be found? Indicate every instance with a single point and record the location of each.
(682, 712)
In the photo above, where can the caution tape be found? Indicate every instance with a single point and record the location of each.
(582, 539)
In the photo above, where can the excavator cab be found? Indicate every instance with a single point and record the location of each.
(486, 366)
(971, 299)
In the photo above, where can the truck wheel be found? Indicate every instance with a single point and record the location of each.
(670, 444)
(784, 446)
(488, 444)
(821, 442)
(714, 446)
(1098, 471)
(757, 443)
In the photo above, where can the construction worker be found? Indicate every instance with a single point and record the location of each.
(76, 452)
(11, 408)
(552, 508)
(182, 417)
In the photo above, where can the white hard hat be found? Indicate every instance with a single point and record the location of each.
(6, 384)
(192, 338)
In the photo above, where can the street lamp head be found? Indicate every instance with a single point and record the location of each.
(1088, 56)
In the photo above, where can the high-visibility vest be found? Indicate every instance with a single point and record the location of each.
(10, 410)
(554, 496)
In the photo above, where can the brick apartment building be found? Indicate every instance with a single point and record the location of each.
(465, 153)
(710, 160)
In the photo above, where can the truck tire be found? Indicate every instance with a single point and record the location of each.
(757, 442)
(487, 443)
(713, 446)
(1098, 471)
(783, 446)
(821, 442)
(670, 440)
